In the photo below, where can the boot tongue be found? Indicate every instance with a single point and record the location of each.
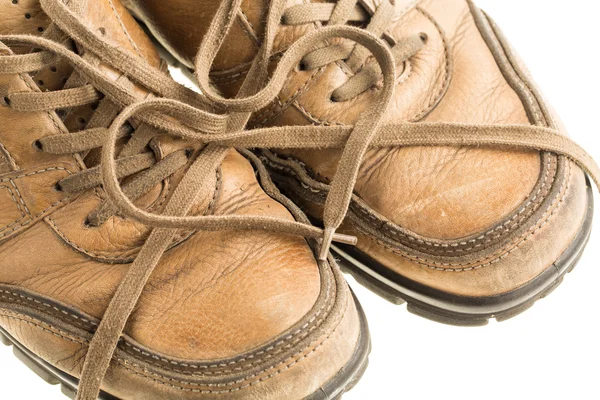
(239, 49)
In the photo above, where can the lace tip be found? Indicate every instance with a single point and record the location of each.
(329, 237)
(345, 239)
(326, 245)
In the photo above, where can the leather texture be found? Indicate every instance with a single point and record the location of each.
(468, 221)
(234, 314)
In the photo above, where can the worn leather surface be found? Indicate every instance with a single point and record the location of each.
(444, 208)
(213, 296)
(296, 377)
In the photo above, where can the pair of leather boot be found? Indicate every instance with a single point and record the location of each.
(157, 243)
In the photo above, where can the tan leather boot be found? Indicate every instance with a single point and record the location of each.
(229, 311)
(468, 199)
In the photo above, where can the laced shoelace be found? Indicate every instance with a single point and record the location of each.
(313, 51)
(218, 123)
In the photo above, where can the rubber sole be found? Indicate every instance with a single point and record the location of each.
(458, 310)
(334, 389)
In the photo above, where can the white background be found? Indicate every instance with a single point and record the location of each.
(550, 352)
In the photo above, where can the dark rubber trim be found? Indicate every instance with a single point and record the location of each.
(342, 382)
(461, 310)
(351, 373)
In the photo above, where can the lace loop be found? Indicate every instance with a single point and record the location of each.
(206, 223)
(202, 120)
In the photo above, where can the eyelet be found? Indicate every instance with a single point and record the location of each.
(37, 145)
(301, 67)
(424, 37)
(333, 99)
(5, 101)
(87, 224)
(58, 187)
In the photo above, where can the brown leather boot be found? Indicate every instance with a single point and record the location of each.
(87, 297)
(468, 199)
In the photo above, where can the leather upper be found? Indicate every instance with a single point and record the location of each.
(443, 208)
(213, 296)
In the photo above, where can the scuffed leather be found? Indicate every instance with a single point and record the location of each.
(525, 257)
(456, 205)
(214, 295)
(134, 378)
(441, 83)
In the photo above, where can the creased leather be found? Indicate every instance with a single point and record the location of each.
(214, 295)
(439, 196)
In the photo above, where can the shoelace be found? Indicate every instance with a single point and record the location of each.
(88, 85)
(312, 51)
(194, 117)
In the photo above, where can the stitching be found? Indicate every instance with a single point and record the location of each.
(447, 63)
(216, 193)
(287, 342)
(12, 224)
(16, 202)
(11, 161)
(544, 219)
(23, 215)
(258, 357)
(135, 47)
(35, 173)
(270, 112)
(400, 80)
(359, 210)
(283, 366)
(46, 328)
(25, 299)
(314, 119)
(525, 212)
(293, 99)
(230, 78)
(177, 240)
(51, 115)
(302, 89)
(33, 218)
(130, 366)
(12, 182)
(77, 247)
